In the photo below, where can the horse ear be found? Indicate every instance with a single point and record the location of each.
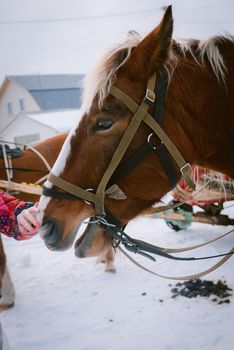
(153, 51)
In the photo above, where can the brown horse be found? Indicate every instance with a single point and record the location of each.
(30, 167)
(197, 79)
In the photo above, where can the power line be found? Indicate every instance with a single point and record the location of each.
(80, 18)
(96, 17)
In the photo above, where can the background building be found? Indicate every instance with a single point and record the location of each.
(34, 107)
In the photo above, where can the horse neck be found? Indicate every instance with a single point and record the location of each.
(199, 116)
(51, 147)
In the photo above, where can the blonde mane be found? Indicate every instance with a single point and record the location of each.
(100, 79)
(204, 51)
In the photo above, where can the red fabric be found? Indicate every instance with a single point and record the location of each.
(197, 172)
(10, 207)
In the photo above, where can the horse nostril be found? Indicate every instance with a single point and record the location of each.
(52, 231)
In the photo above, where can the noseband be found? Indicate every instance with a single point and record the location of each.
(166, 150)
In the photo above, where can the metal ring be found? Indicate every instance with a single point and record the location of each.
(151, 144)
(89, 190)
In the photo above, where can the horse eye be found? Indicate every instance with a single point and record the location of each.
(104, 124)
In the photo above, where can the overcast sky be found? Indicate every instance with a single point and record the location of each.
(68, 36)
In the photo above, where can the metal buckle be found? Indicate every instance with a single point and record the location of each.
(99, 220)
(149, 96)
(185, 168)
(151, 145)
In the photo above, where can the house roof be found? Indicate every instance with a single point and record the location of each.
(49, 81)
(53, 91)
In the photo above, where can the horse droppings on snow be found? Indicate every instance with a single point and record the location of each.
(203, 288)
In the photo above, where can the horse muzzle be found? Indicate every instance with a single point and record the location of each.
(52, 234)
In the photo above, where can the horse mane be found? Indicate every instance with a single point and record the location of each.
(203, 52)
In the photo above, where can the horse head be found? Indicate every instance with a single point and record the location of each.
(90, 147)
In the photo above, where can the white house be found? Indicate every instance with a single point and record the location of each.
(28, 127)
(30, 104)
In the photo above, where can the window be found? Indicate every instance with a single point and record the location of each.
(22, 104)
(9, 108)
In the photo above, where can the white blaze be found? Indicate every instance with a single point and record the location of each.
(58, 167)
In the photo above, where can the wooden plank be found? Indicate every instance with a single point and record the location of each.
(199, 217)
(14, 186)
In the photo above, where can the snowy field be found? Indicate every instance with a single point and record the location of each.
(63, 303)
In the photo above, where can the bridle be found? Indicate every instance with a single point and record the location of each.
(166, 150)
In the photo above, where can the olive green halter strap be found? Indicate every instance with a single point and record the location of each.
(140, 113)
(185, 168)
(74, 190)
(98, 197)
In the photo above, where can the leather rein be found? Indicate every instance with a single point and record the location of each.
(166, 152)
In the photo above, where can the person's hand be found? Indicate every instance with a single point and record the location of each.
(27, 222)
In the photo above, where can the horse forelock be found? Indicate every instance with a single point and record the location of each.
(100, 79)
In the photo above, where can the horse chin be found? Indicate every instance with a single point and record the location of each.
(93, 242)
(62, 245)
(53, 240)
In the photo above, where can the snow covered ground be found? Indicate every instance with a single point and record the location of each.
(66, 303)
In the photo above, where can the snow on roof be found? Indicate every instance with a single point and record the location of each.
(49, 81)
(61, 121)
